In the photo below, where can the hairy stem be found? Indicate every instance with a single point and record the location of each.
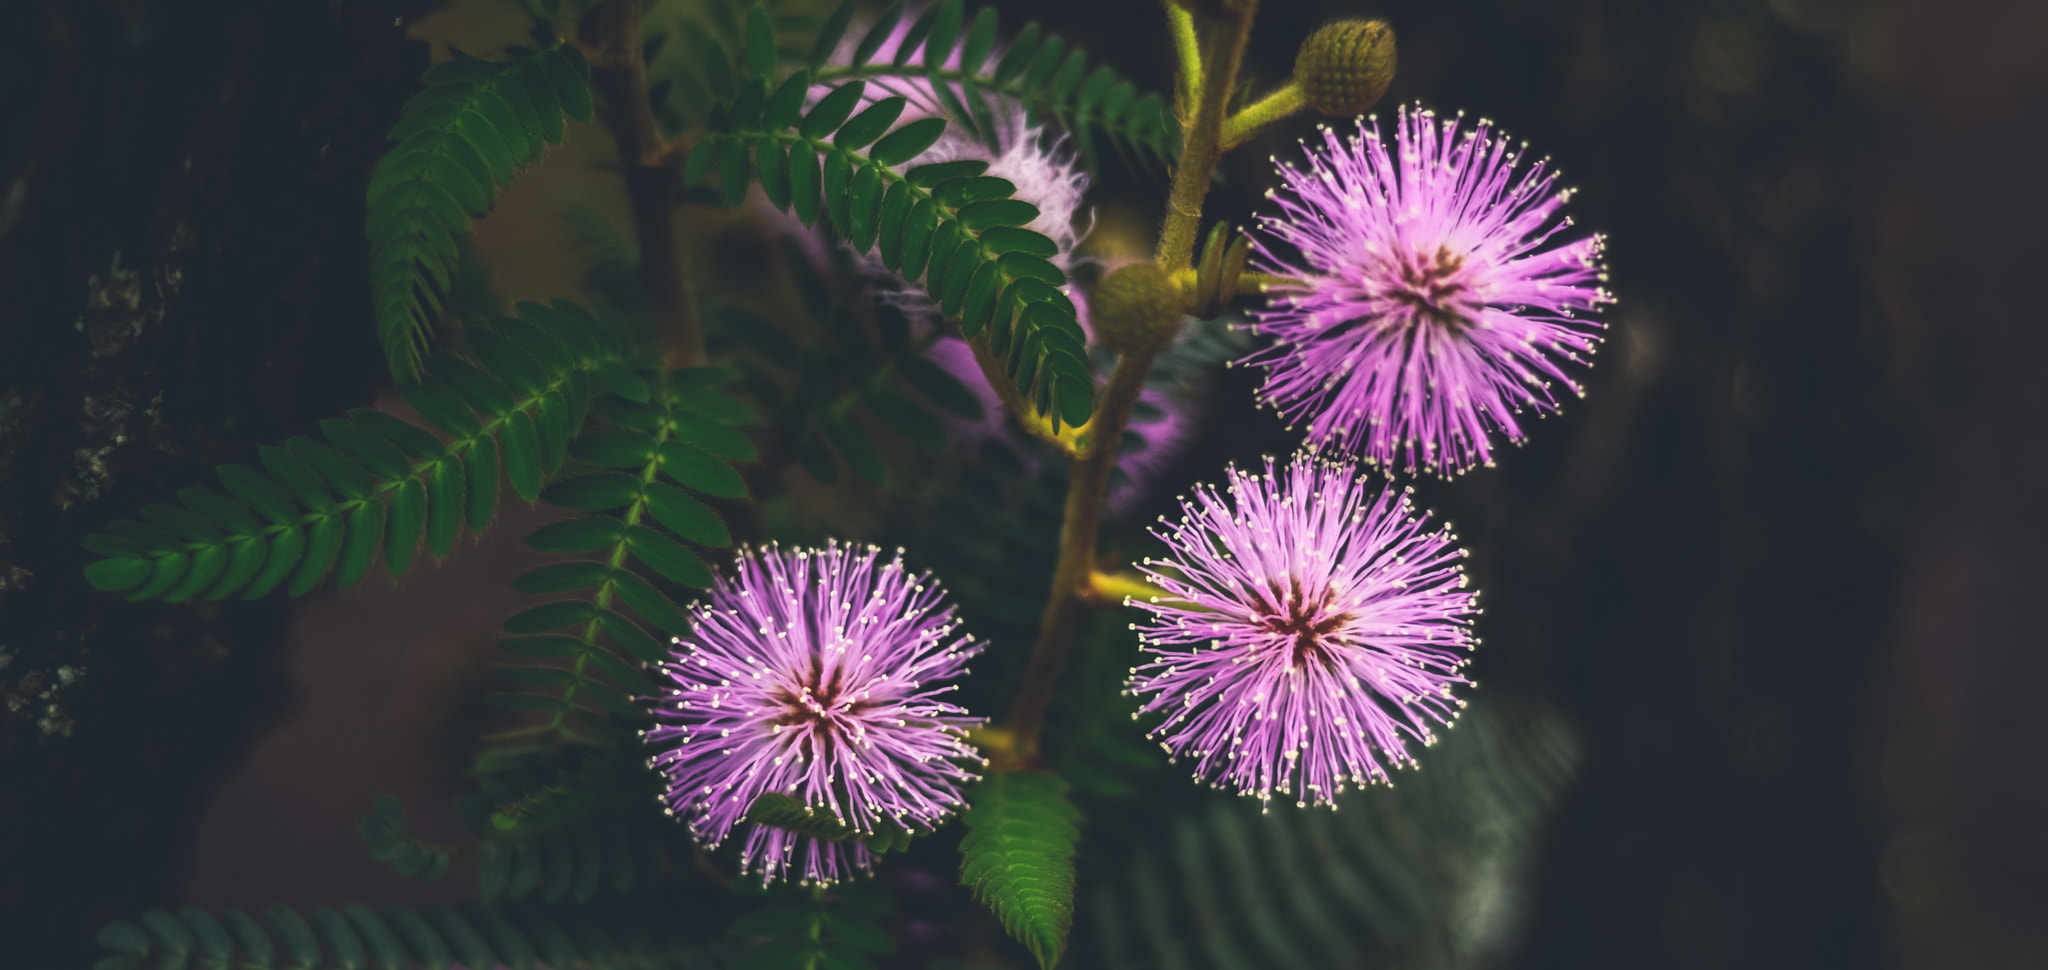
(620, 79)
(1087, 484)
(1201, 138)
(1187, 50)
(1254, 117)
(1088, 480)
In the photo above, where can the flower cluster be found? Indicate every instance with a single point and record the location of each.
(1433, 306)
(1312, 626)
(815, 674)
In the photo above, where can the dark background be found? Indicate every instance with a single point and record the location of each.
(1782, 568)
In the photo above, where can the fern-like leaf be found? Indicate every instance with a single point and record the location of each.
(672, 439)
(354, 936)
(1420, 875)
(377, 483)
(815, 929)
(948, 224)
(459, 140)
(952, 73)
(1018, 857)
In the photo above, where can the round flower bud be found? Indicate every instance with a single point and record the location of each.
(1136, 309)
(1345, 67)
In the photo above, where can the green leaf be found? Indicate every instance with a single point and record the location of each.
(245, 559)
(522, 456)
(735, 171)
(832, 110)
(562, 577)
(1018, 857)
(928, 176)
(907, 142)
(685, 516)
(977, 216)
(615, 449)
(323, 544)
(117, 575)
(945, 33)
(595, 492)
(760, 42)
(878, 34)
(804, 184)
(786, 812)
(697, 469)
(667, 557)
(577, 535)
(829, 35)
(444, 506)
(869, 124)
(652, 606)
(285, 549)
(408, 513)
(550, 616)
(365, 533)
(1010, 239)
(481, 478)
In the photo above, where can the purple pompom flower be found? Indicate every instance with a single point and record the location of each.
(815, 673)
(1434, 307)
(1312, 625)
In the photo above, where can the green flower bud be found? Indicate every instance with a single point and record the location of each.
(1136, 309)
(1345, 67)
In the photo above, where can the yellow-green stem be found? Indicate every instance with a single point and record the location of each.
(1114, 588)
(1188, 49)
(1087, 483)
(1201, 142)
(1255, 116)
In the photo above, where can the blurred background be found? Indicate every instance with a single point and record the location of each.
(1757, 675)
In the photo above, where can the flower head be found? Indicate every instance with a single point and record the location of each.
(1434, 307)
(1312, 626)
(814, 673)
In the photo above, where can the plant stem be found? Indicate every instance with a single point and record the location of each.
(1088, 480)
(1201, 140)
(1087, 483)
(1188, 50)
(1111, 589)
(1255, 116)
(620, 78)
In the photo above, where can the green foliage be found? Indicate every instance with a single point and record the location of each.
(1037, 70)
(564, 835)
(474, 935)
(669, 439)
(817, 930)
(1417, 875)
(570, 836)
(787, 812)
(852, 364)
(385, 831)
(1018, 857)
(947, 224)
(378, 483)
(459, 140)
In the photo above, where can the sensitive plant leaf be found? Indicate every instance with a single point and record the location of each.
(457, 141)
(1018, 857)
(384, 485)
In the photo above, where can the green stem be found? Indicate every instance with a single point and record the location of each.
(1187, 49)
(1087, 484)
(1253, 117)
(1201, 138)
(1113, 588)
(1088, 480)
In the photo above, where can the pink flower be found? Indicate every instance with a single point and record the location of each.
(1312, 626)
(1434, 307)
